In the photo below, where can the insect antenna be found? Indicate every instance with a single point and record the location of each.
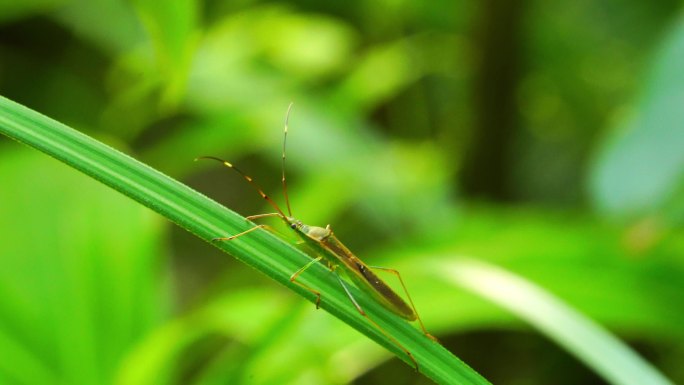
(249, 180)
(287, 198)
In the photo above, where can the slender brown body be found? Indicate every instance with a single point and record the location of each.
(325, 245)
(334, 251)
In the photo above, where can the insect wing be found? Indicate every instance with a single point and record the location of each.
(363, 277)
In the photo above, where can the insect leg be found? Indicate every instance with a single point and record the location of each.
(293, 279)
(251, 217)
(396, 273)
(267, 227)
(363, 313)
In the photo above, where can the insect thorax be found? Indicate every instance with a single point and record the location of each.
(313, 232)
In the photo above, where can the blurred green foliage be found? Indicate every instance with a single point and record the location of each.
(546, 138)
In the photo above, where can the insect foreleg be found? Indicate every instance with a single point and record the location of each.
(230, 238)
(257, 216)
(265, 227)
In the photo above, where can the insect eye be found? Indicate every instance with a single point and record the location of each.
(293, 226)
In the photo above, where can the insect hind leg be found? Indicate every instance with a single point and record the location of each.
(420, 321)
(383, 331)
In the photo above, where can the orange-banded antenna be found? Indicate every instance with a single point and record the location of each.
(248, 179)
(287, 198)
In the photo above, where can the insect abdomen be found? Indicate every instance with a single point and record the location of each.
(362, 276)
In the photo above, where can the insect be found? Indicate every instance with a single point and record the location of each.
(324, 246)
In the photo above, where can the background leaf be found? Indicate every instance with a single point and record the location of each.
(641, 168)
(538, 137)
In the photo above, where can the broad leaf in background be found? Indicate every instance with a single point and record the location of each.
(640, 169)
(10, 10)
(173, 33)
(80, 282)
(111, 26)
(591, 343)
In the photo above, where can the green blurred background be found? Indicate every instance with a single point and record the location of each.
(543, 137)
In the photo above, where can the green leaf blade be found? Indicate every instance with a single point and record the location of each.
(207, 219)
